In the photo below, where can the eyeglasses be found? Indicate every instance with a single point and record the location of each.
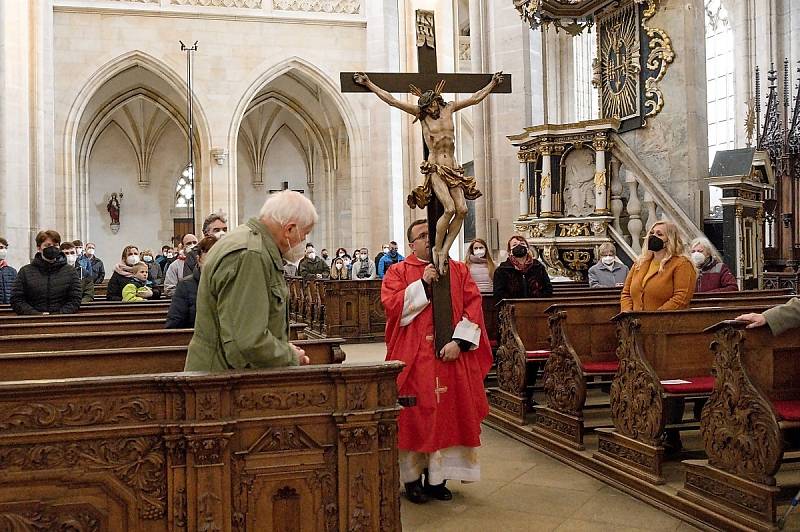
(191, 243)
(421, 235)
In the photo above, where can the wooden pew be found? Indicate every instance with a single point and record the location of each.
(311, 448)
(655, 347)
(343, 309)
(747, 424)
(101, 306)
(52, 325)
(39, 364)
(583, 347)
(524, 346)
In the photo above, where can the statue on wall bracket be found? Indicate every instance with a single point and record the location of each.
(113, 208)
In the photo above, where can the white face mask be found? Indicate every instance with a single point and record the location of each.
(188, 249)
(339, 265)
(607, 260)
(698, 257)
(148, 258)
(219, 234)
(132, 260)
(341, 253)
(71, 259)
(296, 252)
(312, 256)
(386, 250)
(90, 251)
(479, 252)
(3, 254)
(170, 255)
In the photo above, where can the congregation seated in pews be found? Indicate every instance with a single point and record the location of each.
(97, 406)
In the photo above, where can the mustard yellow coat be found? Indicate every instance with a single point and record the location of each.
(670, 289)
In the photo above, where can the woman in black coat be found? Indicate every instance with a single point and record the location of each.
(521, 275)
(48, 283)
(183, 308)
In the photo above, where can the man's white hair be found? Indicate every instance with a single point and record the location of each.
(288, 206)
(708, 246)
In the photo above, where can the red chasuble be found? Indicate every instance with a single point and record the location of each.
(451, 401)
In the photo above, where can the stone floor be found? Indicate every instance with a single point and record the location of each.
(525, 490)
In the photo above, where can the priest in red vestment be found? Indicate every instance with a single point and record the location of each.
(439, 436)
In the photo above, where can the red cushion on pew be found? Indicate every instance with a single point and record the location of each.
(788, 410)
(541, 354)
(607, 366)
(696, 385)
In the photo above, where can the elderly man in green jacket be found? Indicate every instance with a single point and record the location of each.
(780, 318)
(242, 301)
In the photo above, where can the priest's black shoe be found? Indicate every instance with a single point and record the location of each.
(438, 491)
(415, 492)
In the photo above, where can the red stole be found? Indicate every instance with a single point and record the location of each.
(451, 401)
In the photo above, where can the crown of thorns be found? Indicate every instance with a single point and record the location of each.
(427, 97)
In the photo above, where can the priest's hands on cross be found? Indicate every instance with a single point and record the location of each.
(429, 275)
(302, 358)
(450, 352)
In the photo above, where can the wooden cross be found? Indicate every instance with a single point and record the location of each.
(439, 390)
(427, 79)
(285, 186)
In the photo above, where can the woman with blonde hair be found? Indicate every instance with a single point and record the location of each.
(339, 271)
(712, 274)
(663, 277)
(481, 265)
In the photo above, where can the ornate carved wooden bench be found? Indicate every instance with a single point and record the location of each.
(299, 448)
(754, 404)
(524, 348)
(655, 347)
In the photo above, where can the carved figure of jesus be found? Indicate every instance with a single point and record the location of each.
(443, 176)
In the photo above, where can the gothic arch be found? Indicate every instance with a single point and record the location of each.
(74, 171)
(313, 75)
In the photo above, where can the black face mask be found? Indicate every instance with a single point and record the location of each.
(51, 253)
(654, 243)
(519, 251)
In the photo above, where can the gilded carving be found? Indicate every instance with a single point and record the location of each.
(510, 354)
(577, 260)
(358, 439)
(545, 183)
(72, 414)
(658, 60)
(740, 432)
(564, 385)
(619, 63)
(574, 230)
(540, 230)
(138, 463)
(599, 228)
(600, 180)
(637, 406)
(281, 400)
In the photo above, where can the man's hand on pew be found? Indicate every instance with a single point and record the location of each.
(753, 320)
(302, 359)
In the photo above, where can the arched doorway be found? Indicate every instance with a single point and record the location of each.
(293, 133)
(127, 133)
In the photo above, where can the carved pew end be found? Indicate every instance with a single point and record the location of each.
(559, 428)
(633, 457)
(753, 503)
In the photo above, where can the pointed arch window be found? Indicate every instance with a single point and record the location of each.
(720, 79)
(584, 50)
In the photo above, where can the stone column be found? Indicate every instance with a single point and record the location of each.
(28, 194)
(546, 193)
(600, 145)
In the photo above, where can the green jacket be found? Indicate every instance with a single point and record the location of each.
(783, 317)
(242, 305)
(308, 269)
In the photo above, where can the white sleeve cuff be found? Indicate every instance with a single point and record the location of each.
(414, 301)
(469, 332)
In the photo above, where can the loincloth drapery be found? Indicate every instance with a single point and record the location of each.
(453, 177)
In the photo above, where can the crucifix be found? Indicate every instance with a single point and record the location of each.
(285, 186)
(445, 188)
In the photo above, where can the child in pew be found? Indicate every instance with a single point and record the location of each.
(136, 290)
